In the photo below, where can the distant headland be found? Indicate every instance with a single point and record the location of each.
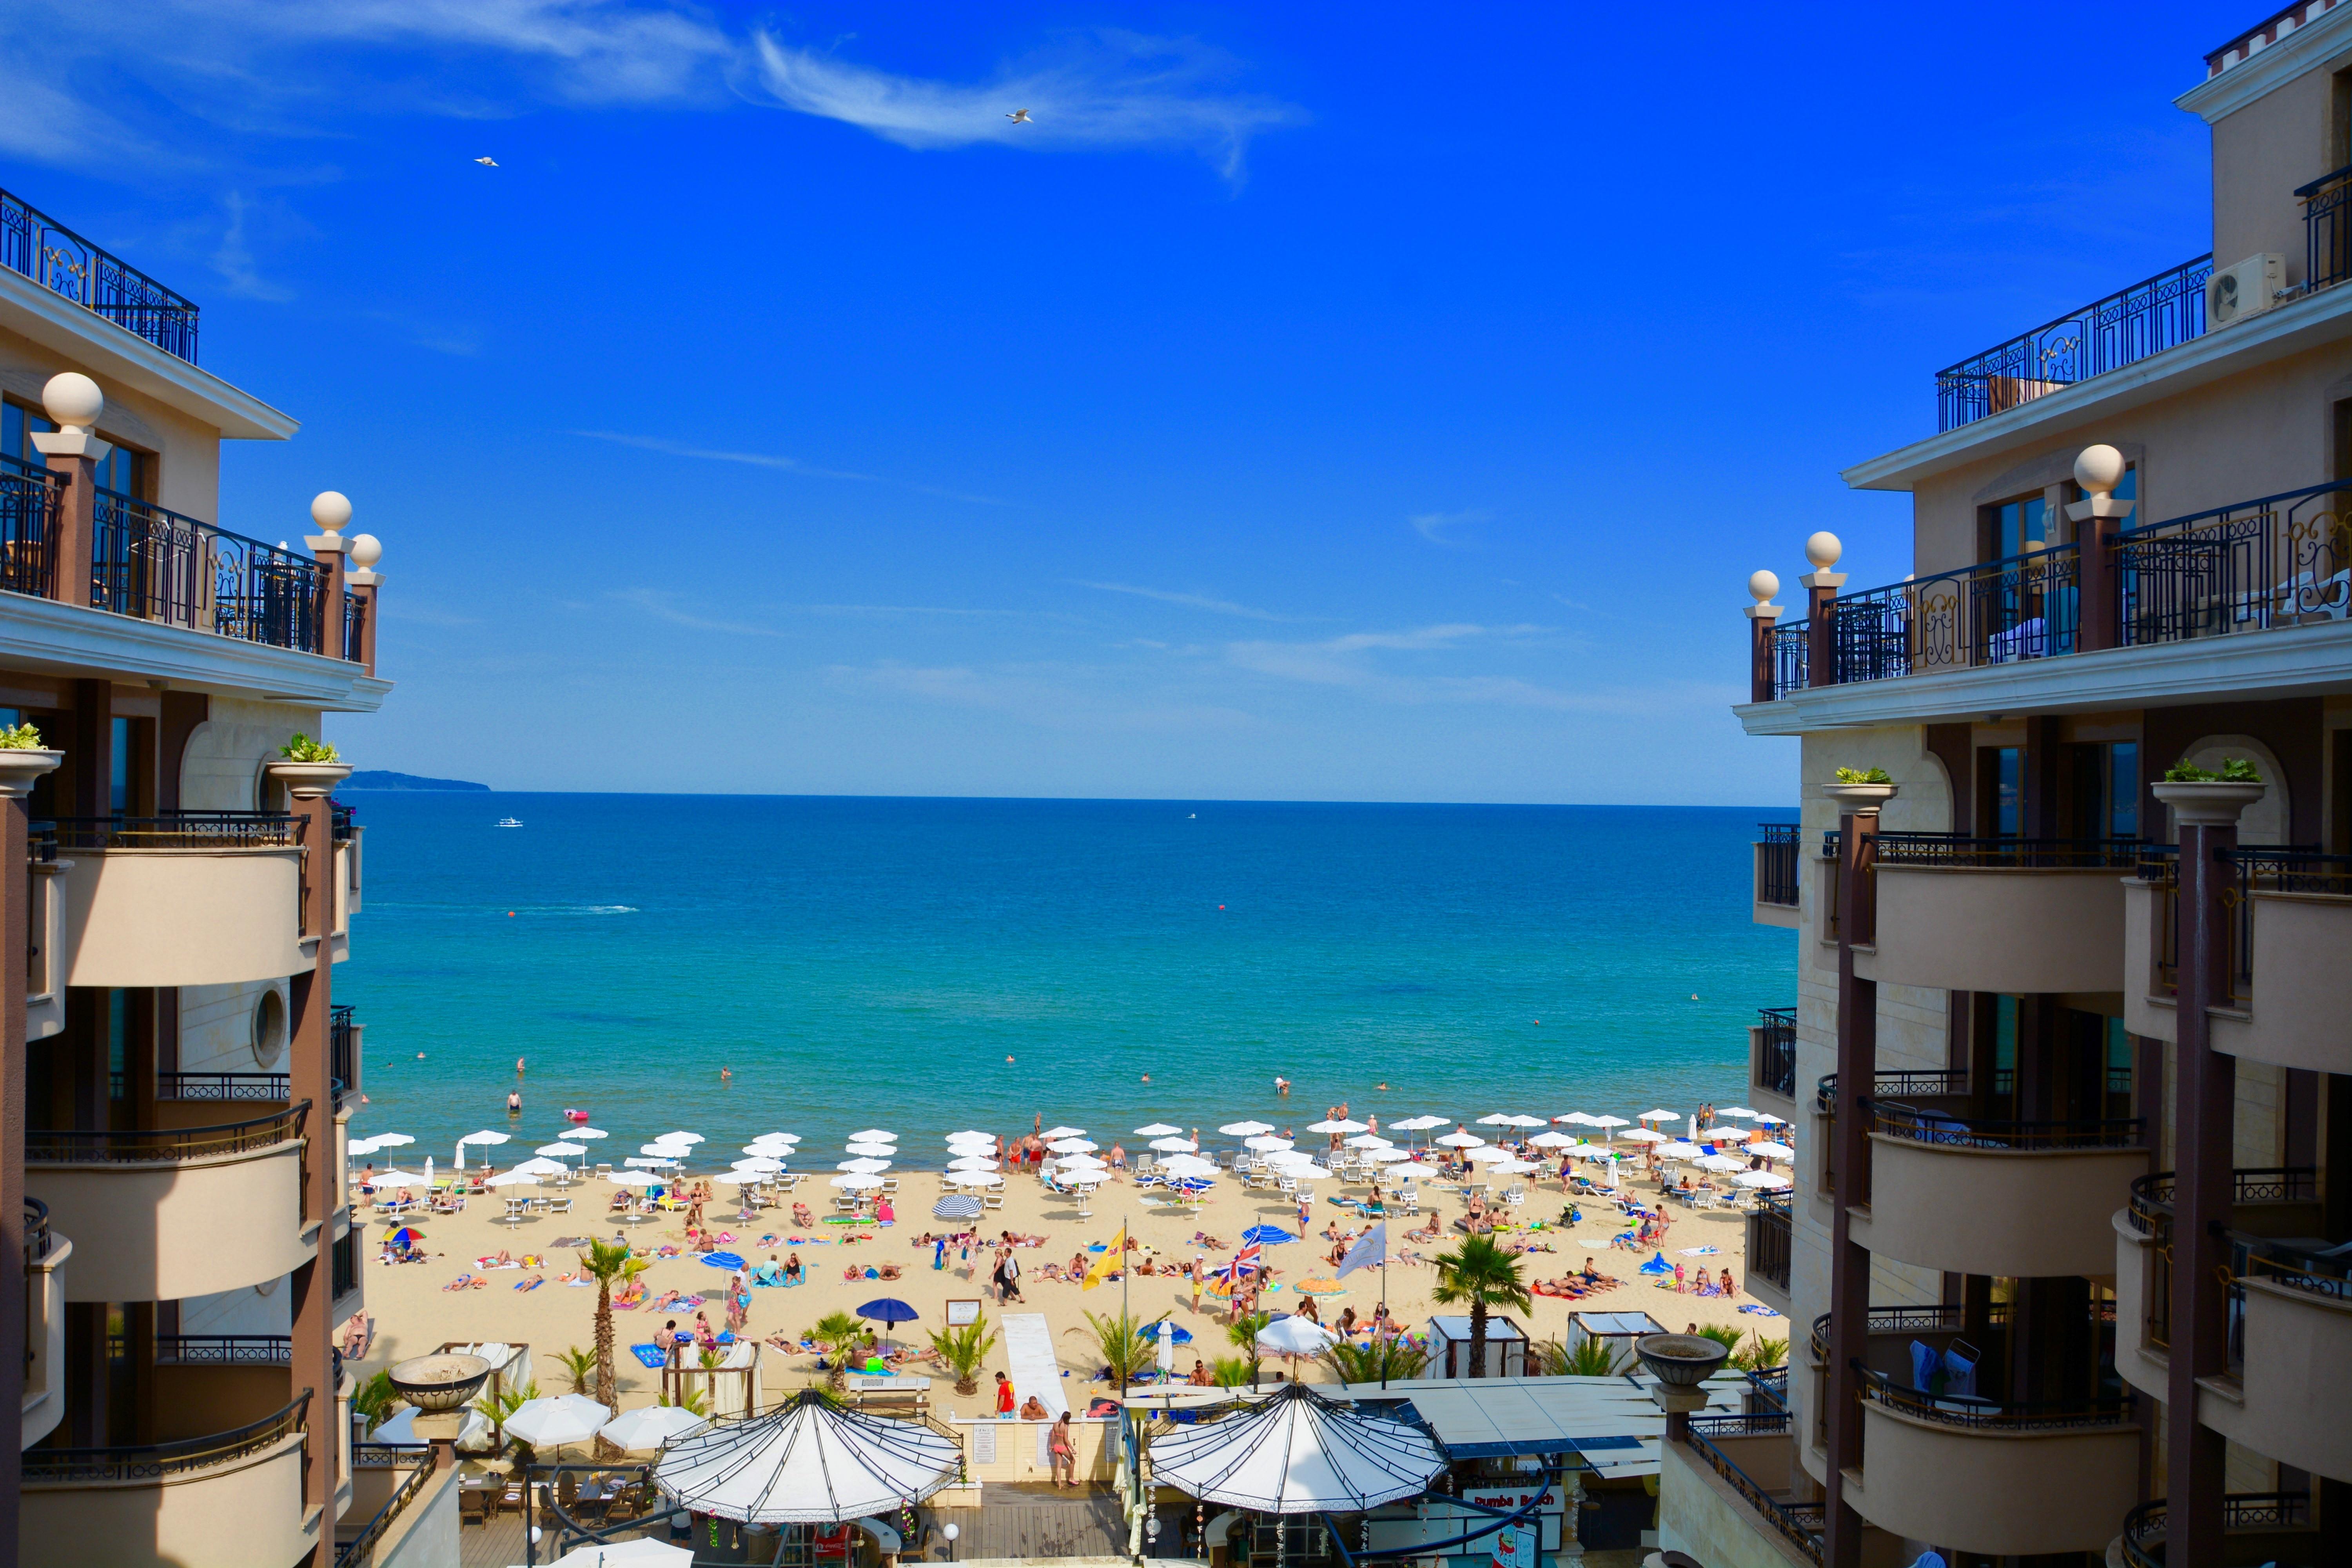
(380, 778)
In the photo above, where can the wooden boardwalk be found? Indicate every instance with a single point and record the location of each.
(1031, 1520)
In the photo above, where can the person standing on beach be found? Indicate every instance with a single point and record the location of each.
(1011, 1275)
(1200, 1267)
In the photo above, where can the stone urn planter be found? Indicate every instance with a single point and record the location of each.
(309, 781)
(1860, 796)
(437, 1383)
(2209, 803)
(20, 767)
(1683, 1360)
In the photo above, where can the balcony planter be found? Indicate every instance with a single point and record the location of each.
(1860, 796)
(1682, 1360)
(309, 781)
(437, 1383)
(20, 767)
(2209, 803)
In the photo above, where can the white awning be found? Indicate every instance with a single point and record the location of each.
(808, 1462)
(1298, 1452)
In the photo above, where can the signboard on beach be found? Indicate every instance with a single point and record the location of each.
(962, 1314)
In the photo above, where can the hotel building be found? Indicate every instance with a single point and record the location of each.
(2070, 1066)
(178, 1075)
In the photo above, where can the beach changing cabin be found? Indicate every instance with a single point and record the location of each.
(1618, 1330)
(1449, 1347)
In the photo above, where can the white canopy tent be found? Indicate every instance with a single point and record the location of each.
(1298, 1452)
(808, 1461)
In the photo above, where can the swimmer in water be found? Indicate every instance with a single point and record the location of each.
(518, 1067)
(514, 1104)
(1282, 1087)
(726, 1074)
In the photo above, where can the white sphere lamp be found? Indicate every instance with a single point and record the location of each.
(1823, 549)
(330, 509)
(366, 551)
(73, 400)
(2099, 469)
(1762, 585)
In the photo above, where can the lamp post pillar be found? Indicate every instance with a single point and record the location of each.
(1763, 619)
(1821, 586)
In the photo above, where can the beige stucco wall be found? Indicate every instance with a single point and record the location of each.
(216, 1033)
(1701, 1515)
(245, 1514)
(2298, 1379)
(184, 917)
(2261, 153)
(1998, 1493)
(152, 1232)
(2010, 1214)
(45, 1340)
(187, 467)
(221, 770)
(2003, 931)
(2302, 985)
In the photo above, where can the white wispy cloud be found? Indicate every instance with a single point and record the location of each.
(1075, 699)
(1437, 526)
(1102, 89)
(773, 460)
(1190, 601)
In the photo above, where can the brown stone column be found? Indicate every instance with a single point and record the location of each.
(74, 401)
(310, 1071)
(16, 894)
(330, 511)
(368, 583)
(2097, 519)
(1763, 618)
(2205, 1094)
(1857, 1067)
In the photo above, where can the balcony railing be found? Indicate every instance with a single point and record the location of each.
(160, 565)
(2262, 1513)
(2148, 1211)
(1939, 1319)
(1800, 1523)
(2251, 565)
(1998, 612)
(1995, 1415)
(1914, 1125)
(155, 1461)
(1792, 659)
(1768, 1240)
(55, 257)
(2326, 230)
(214, 1350)
(1776, 863)
(1962, 851)
(180, 831)
(342, 1048)
(420, 1475)
(2287, 869)
(1776, 1050)
(71, 1146)
(28, 526)
(2146, 319)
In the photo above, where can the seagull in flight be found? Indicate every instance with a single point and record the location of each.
(1020, 117)
(488, 162)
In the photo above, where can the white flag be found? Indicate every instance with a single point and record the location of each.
(1371, 1250)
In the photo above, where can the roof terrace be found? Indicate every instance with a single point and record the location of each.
(40, 248)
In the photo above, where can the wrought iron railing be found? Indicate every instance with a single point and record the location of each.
(2287, 869)
(1771, 1384)
(1997, 612)
(158, 565)
(1800, 1523)
(28, 526)
(1963, 851)
(1776, 863)
(1914, 1319)
(71, 1146)
(222, 1086)
(1791, 657)
(36, 1231)
(155, 1461)
(2146, 319)
(346, 1265)
(343, 1047)
(420, 1475)
(2326, 230)
(1776, 1050)
(2280, 560)
(58, 259)
(1768, 1240)
(2148, 1211)
(2143, 1534)
(180, 831)
(1910, 1083)
(1915, 1125)
(1995, 1415)
(354, 648)
(220, 1350)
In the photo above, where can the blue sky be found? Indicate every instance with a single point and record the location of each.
(1345, 402)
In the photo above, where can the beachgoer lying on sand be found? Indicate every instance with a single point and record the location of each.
(462, 1282)
(533, 1283)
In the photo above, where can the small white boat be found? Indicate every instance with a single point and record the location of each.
(509, 822)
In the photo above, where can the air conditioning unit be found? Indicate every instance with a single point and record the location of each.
(2248, 289)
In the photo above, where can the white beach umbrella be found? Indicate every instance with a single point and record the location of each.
(1526, 1122)
(1739, 1110)
(1512, 1167)
(1244, 1128)
(1576, 1118)
(863, 1167)
(1658, 1115)
(1611, 1121)
(552, 1422)
(1298, 1453)
(561, 1148)
(1773, 1151)
(1762, 1179)
(484, 1136)
(1460, 1141)
(971, 1163)
(1173, 1146)
(856, 1180)
(1266, 1143)
(650, 1427)
(1643, 1135)
(641, 1551)
(681, 1137)
(541, 1167)
(739, 1178)
(875, 1136)
(1157, 1130)
(587, 1133)
(634, 1179)
(875, 1150)
(1552, 1141)
(359, 1146)
(391, 1139)
(1296, 1335)
(1052, 1132)
(809, 1461)
(1499, 1118)
(1074, 1146)
(666, 1151)
(1342, 1125)
(975, 1179)
(513, 1179)
(1370, 1141)
(1417, 1123)
(1388, 1156)
(1677, 1150)
(654, 1160)
(1079, 1163)
(1184, 1165)
(973, 1132)
(399, 1179)
(1719, 1162)
(759, 1165)
(1765, 1119)
(1486, 1153)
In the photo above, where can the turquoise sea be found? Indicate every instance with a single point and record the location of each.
(924, 965)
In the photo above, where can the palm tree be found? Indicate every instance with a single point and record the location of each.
(1242, 1332)
(1590, 1358)
(605, 1261)
(1232, 1371)
(1120, 1341)
(1760, 1355)
(579, 1367)
(964, 1350)
(1480, 1275)
(840, 1334)
(377, 1401)
(1382, 1360)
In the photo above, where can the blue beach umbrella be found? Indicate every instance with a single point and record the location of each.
(887, 1310)
(956, 1208)
(723, 1259)
(1151, 1331)
(1265, 1236)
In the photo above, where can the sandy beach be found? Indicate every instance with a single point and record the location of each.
(414, 1313)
